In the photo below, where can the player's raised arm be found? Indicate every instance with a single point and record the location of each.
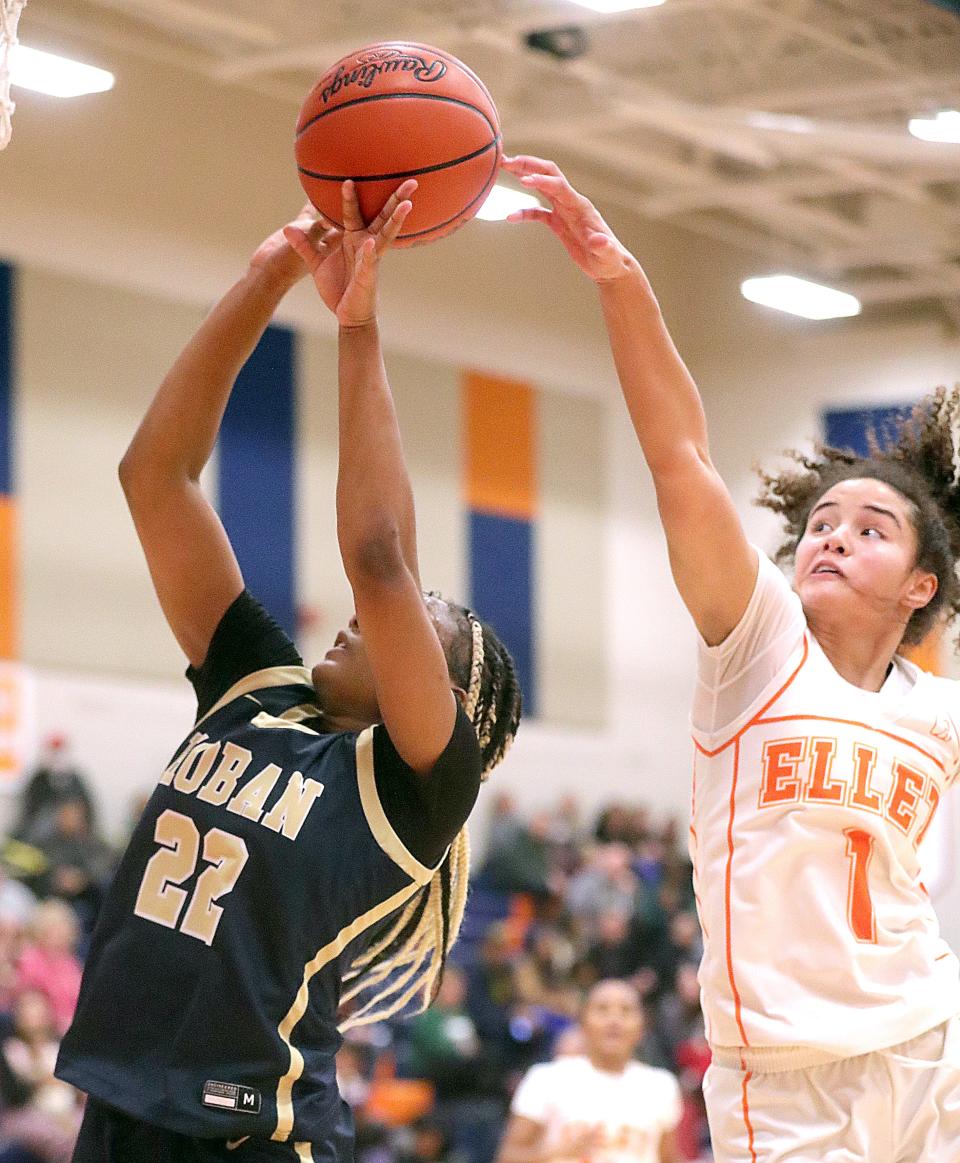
(713, 564)
(192, 564)
(375, 516)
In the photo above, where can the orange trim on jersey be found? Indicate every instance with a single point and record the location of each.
(727, 889)
(850, 723)
(748, 1074)
(766, 707)
(942, 955)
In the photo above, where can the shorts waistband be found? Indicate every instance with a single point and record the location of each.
(772, 1059)
(775, 1059)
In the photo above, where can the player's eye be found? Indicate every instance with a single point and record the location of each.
(872, 531)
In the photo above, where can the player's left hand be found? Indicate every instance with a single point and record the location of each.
(573, 219)
(344, 263)
(275, 256)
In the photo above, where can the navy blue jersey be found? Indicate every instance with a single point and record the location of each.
(268, 856)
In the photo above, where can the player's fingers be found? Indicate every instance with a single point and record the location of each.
(352, 218)
(526, 163)
(555, 187)
(402, 193)
(302, 245)
(531, 214)
(390, 231)
(366, 260)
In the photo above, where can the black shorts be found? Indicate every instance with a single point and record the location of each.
(110, 1136)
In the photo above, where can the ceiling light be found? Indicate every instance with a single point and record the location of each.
(944, 127)
(616, 5)
(45, 72)
(504, 200)
(800, 297)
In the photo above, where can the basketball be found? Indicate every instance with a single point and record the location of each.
(393, 111)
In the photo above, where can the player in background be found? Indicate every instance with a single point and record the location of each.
(304, 855)
(599, 1105)
(821, 755)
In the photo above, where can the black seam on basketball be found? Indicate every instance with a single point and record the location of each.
(401, 173)
(395, 97)
(473, 201)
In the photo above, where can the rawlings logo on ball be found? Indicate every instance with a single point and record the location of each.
(369, 68)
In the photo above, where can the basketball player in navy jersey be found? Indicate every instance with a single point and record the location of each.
(303, 858)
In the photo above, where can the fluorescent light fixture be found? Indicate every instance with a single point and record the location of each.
(616, 5)
(504, 200)
(800, 297)
(944, 127)
(45, 72)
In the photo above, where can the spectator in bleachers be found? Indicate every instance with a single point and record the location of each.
(428, 1142)
(446, 1050)
(607, 883)
(77, 862)
(544, 971)
(56, 778)
(49, 963)
(40, 1113)
(519, 856)
(599, 1106)
(616, 824)
(679, 1019)
(611, 953)
(491, 990)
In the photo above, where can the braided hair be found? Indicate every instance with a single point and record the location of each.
(920, 459)
(400, 972)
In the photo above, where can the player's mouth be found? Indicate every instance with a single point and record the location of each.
(826, 568)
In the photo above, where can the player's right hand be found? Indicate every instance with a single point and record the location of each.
(573, 219)
(344, 263)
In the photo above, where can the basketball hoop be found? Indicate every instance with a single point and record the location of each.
(9, 17)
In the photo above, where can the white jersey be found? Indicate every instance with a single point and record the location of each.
(633, 1109)
(811, 798)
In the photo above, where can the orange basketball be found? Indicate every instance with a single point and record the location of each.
(393, 111)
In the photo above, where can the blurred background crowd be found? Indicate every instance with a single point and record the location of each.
(558, 902)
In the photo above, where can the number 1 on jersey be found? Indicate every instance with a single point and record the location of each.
(860, 912)
(161, 902)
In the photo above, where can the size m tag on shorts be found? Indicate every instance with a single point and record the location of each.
(229, 1096)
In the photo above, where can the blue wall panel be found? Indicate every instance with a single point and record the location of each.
(849, 427)
(501, 589)
(257, 465)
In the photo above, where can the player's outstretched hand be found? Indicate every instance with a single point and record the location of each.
(344, 261)
(277, 258)
(573, 219)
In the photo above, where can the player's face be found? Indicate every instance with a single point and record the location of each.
(344, 679)
(612, 1022)
(858, 555)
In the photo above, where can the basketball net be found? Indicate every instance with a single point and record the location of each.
(9, 17)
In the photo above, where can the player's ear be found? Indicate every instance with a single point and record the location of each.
(460, 693)
(921, 590)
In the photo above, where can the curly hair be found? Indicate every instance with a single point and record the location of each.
(919, 459)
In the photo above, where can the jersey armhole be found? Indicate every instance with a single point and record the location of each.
(376, 817)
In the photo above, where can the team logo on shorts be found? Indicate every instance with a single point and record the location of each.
(229, 1096)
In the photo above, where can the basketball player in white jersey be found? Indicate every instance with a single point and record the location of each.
(597, 1106)
(821, 756)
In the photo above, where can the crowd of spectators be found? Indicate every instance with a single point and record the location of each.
(556, 905)
(54, 869)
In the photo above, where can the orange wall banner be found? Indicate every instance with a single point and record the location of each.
(17, 723)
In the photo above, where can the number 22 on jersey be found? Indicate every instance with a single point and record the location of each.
(161, 900)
